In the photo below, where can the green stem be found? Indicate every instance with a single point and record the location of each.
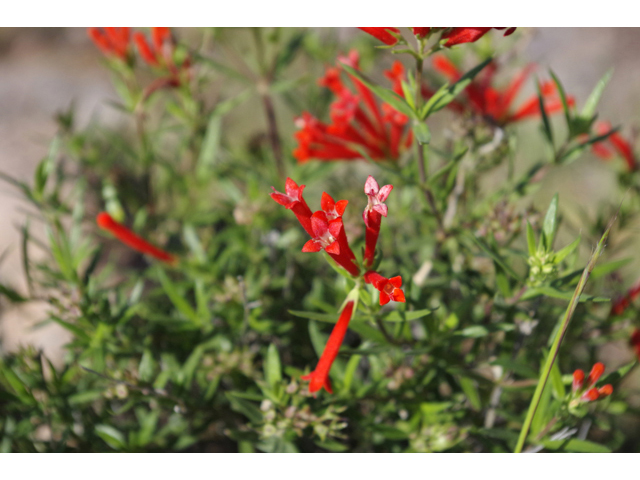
(553, 353)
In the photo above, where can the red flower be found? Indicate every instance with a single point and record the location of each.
(587, 392)
(372, 215)
(357, 121)
(293, 201)
(622, 303)
(320, 376)
(161, 46)
(618, 143)
(389, 288)
(112, 41)
(635, 342)
(324, 227)
(453, 35)
(489, 102)
(384, 34)
(132, 240)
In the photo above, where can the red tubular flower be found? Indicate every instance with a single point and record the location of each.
(596, 373)
(635, 342)
(578, 380)
(293, 201)
(622, 303)
(389, 288)
(372, 215)
(357, 122)
(587, 391)
(126, 236)
(320, 376)
(325, 235)
(112, 41)
(384, 34)
(483, 99)
(619, 144)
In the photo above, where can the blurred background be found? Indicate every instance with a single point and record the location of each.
(44, 72)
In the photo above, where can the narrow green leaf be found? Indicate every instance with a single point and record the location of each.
(349, 373)
(531, 240)
(589, 109)
(471, 391)
(386, 95)
(495, 256)
(112, 437)
(566, 251)
(563, 98)
(421, 131)
(575, 445)
(546, 125)
(176, 297)
(272, 367)
(549, 226)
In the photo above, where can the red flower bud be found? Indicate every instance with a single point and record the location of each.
(320, 376)
(596, 373)
(605, 390)
(578, 380)
(590, 395)
(132, 240)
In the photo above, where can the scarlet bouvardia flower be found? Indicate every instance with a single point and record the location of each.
(619, 144)
(453, 35)
(586, 392)
(372, 215)
(622, 303)
(357, 121)
(112, 41)
(320, 376)
(389, 288)
(126, 236)
(324, 226)
(485, 100)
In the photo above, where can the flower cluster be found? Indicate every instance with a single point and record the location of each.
(116, 42)
(493, 104)
(358, 122)
(583, 392)
(452, 35)
(126, 236)
(326, 229)
(617, 144)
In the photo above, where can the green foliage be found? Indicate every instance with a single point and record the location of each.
(207, 354)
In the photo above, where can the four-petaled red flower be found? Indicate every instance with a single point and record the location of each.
(325, 234)
(357, 122)
(112, 41)
(320, 376)
(481, 98)
(586, 392)
(619, 144)
(126, 236)
(372, 216)
(389, 288)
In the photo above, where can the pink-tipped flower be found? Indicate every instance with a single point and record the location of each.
(358, 122)
(320, 376)
(332, 208)
(126, 236)
(372, 215)
(620, 146)
(482, 99)
(578, 380)
(294, 201)
(112, 41)
(389, 288)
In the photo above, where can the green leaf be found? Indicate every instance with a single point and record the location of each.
(589, 109)
(563, 98)
(112, 437)
(546, 125)
(549, 291)
(471, 391)
(244, 407)
(549, 226)
(615, 377)
(146, 368)
(189, 367)
(556, 382)
(421, 131)
(575, 445)
(531, 240)
(566, 251)
(386, 95)
(11, 294)
(495, 256)
(332, 446)
(349, 373)
(272, 367)
(447, 93)
(176, 297)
